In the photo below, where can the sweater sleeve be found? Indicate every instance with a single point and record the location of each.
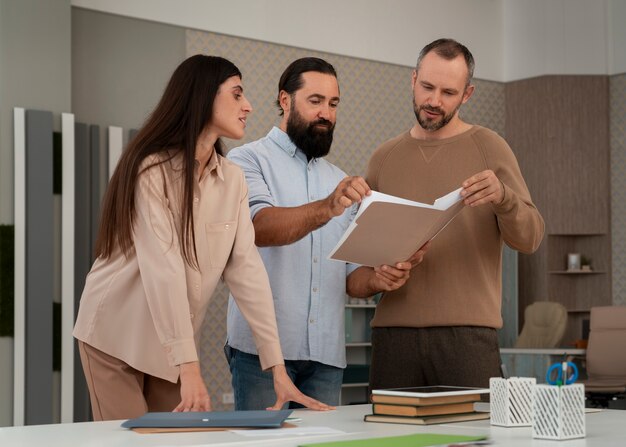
(162, 268)
(519, 220)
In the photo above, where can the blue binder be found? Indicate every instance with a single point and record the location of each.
(208, 419)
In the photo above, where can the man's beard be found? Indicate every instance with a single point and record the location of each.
(313, 140)
(430, 124)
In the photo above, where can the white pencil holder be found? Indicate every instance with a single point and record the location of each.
(511, 401)
(559, 411)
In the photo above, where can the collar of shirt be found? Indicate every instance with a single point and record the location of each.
(213, 165)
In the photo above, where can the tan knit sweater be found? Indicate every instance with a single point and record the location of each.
(459, 281)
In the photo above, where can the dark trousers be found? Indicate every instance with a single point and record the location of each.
(452, 356)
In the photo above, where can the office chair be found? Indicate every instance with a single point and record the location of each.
(606, 357)
(544, 325)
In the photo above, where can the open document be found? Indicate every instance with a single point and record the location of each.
(388, 229)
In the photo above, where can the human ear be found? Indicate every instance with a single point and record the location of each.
(284, 100)
(467, 94)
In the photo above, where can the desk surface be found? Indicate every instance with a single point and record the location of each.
(606, 429)
(551, 351)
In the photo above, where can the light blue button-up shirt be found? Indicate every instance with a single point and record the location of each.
(309, 289)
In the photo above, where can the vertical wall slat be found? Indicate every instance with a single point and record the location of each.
(116, 142)
(96, 169)
(39, 267)
(68, 269)
(19, 349)
(82, 248)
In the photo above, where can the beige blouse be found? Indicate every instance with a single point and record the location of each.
(147, 309)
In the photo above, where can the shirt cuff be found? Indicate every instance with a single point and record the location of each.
(270, 355)
(181, 351)
(255, 207)
(507, 203)
(351, 268)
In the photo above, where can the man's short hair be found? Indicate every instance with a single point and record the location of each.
(291, 79)
(449, 49)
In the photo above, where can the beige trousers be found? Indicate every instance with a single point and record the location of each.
(118, 391)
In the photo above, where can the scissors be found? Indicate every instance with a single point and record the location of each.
(562, 376)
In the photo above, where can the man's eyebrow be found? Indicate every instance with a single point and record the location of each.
(445, 89)
(320, 96)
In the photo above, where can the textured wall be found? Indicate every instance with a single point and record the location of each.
(617, 97)
(35, 68)
(375, 106)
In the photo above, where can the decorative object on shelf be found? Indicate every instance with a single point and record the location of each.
(585, 264)
(374, 299)
(573, 261)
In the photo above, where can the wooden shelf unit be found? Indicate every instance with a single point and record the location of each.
(563, 150)
(579, 290)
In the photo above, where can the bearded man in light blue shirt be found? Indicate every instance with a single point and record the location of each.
(301, 205)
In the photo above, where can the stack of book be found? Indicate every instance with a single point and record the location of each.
(426, 405)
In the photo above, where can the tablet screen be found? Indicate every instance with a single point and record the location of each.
(426, 391)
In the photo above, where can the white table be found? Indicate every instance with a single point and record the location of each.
(604, 429)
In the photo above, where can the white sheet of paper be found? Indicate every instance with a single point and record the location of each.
(441, 203)
(295, 431)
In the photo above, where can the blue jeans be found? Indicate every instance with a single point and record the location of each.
(254, 388)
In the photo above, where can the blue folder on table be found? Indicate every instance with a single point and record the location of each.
(209, 419)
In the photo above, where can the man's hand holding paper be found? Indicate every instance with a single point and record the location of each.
(393, 277)
(349, 191)
(484, 187)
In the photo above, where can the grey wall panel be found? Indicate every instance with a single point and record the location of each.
(135, 59)
(35, 72)
(39, 267)
(83, 199)
(82, 253)
(508, 334)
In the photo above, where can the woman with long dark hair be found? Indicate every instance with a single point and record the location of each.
(175, 219)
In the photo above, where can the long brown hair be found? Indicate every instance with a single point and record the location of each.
(174, 126)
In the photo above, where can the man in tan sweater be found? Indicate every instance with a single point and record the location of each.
(440, 327)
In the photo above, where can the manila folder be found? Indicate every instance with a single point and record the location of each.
(388, 229)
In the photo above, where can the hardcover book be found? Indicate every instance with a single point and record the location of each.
(423, 410)
(426, 420)
(429, 395)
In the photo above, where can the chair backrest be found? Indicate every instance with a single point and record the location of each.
(606, 351)
(544, 325)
